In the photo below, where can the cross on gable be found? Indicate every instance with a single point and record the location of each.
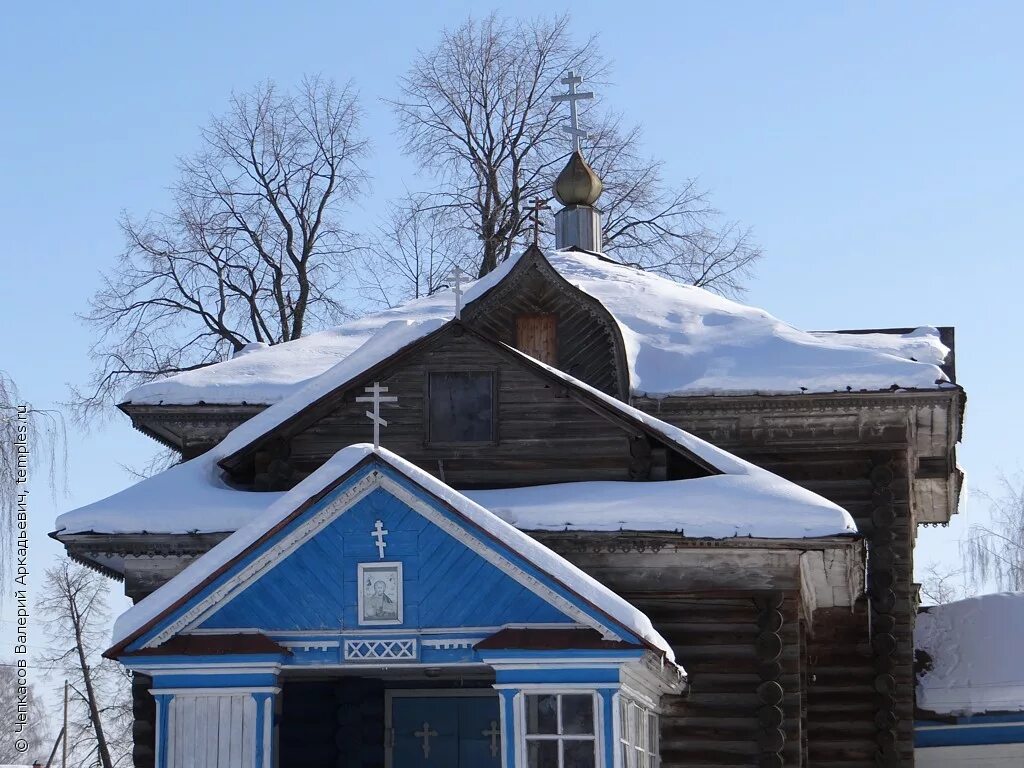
(378, 533)
(573, 128)
(456, 277)
(376, 397)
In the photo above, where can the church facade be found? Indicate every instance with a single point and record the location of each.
(572, 514)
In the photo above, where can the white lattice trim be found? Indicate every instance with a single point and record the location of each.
(380, 650)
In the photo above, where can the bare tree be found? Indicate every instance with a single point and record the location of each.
(995, 552)
(74, 605)
(31, 439)
(943, 585)
(477, 111)
(253, 250)
(34, 731)
(413, 253)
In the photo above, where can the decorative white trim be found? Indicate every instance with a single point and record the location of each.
(204, 669)
(373, 480)
(452, 644)
(379, 650)
(312, 645)
(488, 554)
(266, 562)
(273, 689)
(268, 732)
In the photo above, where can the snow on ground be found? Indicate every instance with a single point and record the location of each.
(545, 559)
(975, 648)
(679, 340)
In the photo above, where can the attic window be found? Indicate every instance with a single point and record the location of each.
(460, 407)
(537, 336)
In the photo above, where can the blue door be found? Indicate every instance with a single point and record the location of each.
(446, 732)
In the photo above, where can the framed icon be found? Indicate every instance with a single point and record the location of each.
(380, 593)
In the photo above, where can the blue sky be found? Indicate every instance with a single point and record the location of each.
(874, 147)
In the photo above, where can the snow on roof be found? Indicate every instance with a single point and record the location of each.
(679, 340)
(744, 500)
(591, 590)
(974, 645)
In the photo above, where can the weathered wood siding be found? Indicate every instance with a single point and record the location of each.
(544, 435)
(589, 345)
(861, 692)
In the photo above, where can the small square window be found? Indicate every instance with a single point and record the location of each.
(460, 407)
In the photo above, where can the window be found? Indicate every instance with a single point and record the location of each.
(460, 407)
(638, 735)
(537, 336)
(560, 731)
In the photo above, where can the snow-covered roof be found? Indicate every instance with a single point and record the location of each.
(186, 582)
(975, 650)
(744, 500)
(679, 340)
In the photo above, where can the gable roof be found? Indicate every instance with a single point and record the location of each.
(140, 621)
(302, 408)
(738, 499)
(678, 340)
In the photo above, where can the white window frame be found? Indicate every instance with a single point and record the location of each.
(597, 738)
(640, 753)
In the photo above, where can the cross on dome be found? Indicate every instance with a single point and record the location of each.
(573, 128)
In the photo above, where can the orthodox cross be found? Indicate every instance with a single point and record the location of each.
(493, 733)
(376, 397)
(425, 733)
(456, 276)
(378, 533)
(573, 128)
(537, 204)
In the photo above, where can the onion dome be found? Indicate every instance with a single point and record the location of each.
(577, 184)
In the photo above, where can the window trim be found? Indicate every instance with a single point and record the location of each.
(493, 372)
(625, 706)
(522, 738)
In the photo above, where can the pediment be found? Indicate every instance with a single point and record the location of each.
(374, 552)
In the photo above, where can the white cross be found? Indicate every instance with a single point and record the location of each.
(456, 276)
(378, 533)
(573, 128)
(425, 734)
(376, 397)
(493, 732)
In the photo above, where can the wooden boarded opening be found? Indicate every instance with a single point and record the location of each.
(537, 336)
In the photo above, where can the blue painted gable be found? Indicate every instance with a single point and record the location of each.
(444, 583)
(303, 575)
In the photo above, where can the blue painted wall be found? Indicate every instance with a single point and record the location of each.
(445, 583)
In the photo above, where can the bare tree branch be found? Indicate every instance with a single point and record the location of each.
(476, 111)
(995, 552)
(253, 250)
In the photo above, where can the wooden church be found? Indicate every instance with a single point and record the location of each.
(570, 515)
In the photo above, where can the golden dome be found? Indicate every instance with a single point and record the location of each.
(577, 184)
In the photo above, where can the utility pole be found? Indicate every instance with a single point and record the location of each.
(64, 745)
